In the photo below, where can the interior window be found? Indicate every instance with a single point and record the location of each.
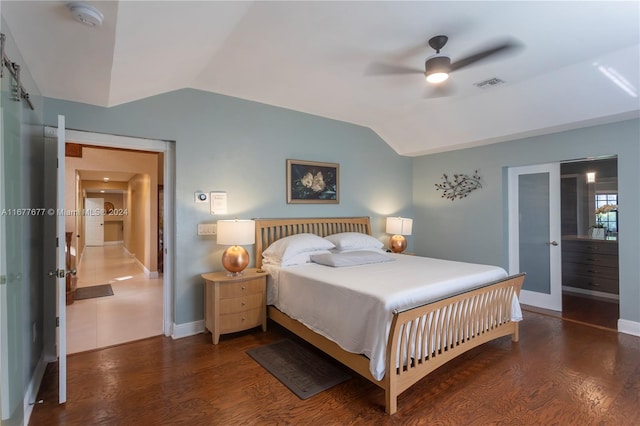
(607, 206)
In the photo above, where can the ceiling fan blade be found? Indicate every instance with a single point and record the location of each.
(409, 52)
(379, 68)
(500, 48)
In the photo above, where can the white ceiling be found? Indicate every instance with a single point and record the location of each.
(314, 56)
(99, 175)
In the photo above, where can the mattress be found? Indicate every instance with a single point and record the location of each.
(353, 306)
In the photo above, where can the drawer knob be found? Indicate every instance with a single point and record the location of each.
(244, 318)
(244, 287)
(243, 303)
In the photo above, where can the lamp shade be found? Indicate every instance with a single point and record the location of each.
(236, 232)
(399, 226)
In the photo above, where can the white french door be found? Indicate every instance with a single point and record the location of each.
(55, 315)
(62, 265)
(534, 233)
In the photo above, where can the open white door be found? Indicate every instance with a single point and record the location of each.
(60, 272)
(61, 267)
(534, 233)
(54, 257)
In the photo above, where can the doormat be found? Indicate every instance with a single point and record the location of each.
(93, 291)
(301, 369)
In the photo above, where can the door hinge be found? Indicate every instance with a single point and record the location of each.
(3, 279)
(57, 243)
(57, 321)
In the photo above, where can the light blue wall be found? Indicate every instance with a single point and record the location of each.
(238, 146)
(474, 229)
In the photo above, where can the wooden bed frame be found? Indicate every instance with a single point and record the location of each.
(439, 331)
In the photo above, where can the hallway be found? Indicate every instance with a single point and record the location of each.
(133, 312)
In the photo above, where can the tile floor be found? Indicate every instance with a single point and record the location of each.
(133, 312)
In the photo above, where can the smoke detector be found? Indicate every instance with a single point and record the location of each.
(85, 13)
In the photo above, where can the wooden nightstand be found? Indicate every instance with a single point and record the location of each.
(235, 303)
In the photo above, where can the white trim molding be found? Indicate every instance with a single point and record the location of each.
(32, 391)
(629, 327)
(187, 329)
(169, 150)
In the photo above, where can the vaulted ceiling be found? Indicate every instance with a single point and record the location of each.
(578, 65)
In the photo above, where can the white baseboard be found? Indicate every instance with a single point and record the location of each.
(147, 272)
(113, 243)
(188, 329)
(629, 327)
(34, 386)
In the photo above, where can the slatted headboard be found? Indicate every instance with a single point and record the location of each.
(270, 230)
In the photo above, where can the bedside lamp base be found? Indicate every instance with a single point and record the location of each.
(397, 243)
(235, 259)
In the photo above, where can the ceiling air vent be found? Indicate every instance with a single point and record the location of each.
(492, 82)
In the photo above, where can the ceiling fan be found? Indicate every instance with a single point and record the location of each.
(438, 66)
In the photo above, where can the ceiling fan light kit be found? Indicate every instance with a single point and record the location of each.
(437, 68)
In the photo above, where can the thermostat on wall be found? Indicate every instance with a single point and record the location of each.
(201, 197)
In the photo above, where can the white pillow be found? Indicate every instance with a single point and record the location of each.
(352, 258)
(298, 259)
(371, 249)
(285, 248)
(354, 241)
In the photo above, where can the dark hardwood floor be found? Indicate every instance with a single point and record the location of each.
(560, 373)
(591, 310)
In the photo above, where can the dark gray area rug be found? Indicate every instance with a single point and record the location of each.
(93, 291)
(301, 369)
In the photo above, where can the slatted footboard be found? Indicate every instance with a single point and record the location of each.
(424, 338)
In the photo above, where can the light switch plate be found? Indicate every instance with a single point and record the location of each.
(207, 229)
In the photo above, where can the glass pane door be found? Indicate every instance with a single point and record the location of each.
(11, 277)
(534, 233)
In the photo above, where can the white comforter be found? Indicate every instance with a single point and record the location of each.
(353, 306)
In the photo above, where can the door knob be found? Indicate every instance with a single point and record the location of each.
(553, 243)
(72, 272)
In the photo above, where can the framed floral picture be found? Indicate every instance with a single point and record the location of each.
(313, 182)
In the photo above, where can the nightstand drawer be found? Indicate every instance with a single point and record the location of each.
(242, 288)
(234, 302)
(240, 304)
(240, 321)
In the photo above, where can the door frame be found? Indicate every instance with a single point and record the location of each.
(553, 300)
(168, 149)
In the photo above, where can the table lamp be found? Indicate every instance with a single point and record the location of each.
(398, 226)
(235, 233)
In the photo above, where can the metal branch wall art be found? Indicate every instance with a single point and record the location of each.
(460, 186)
